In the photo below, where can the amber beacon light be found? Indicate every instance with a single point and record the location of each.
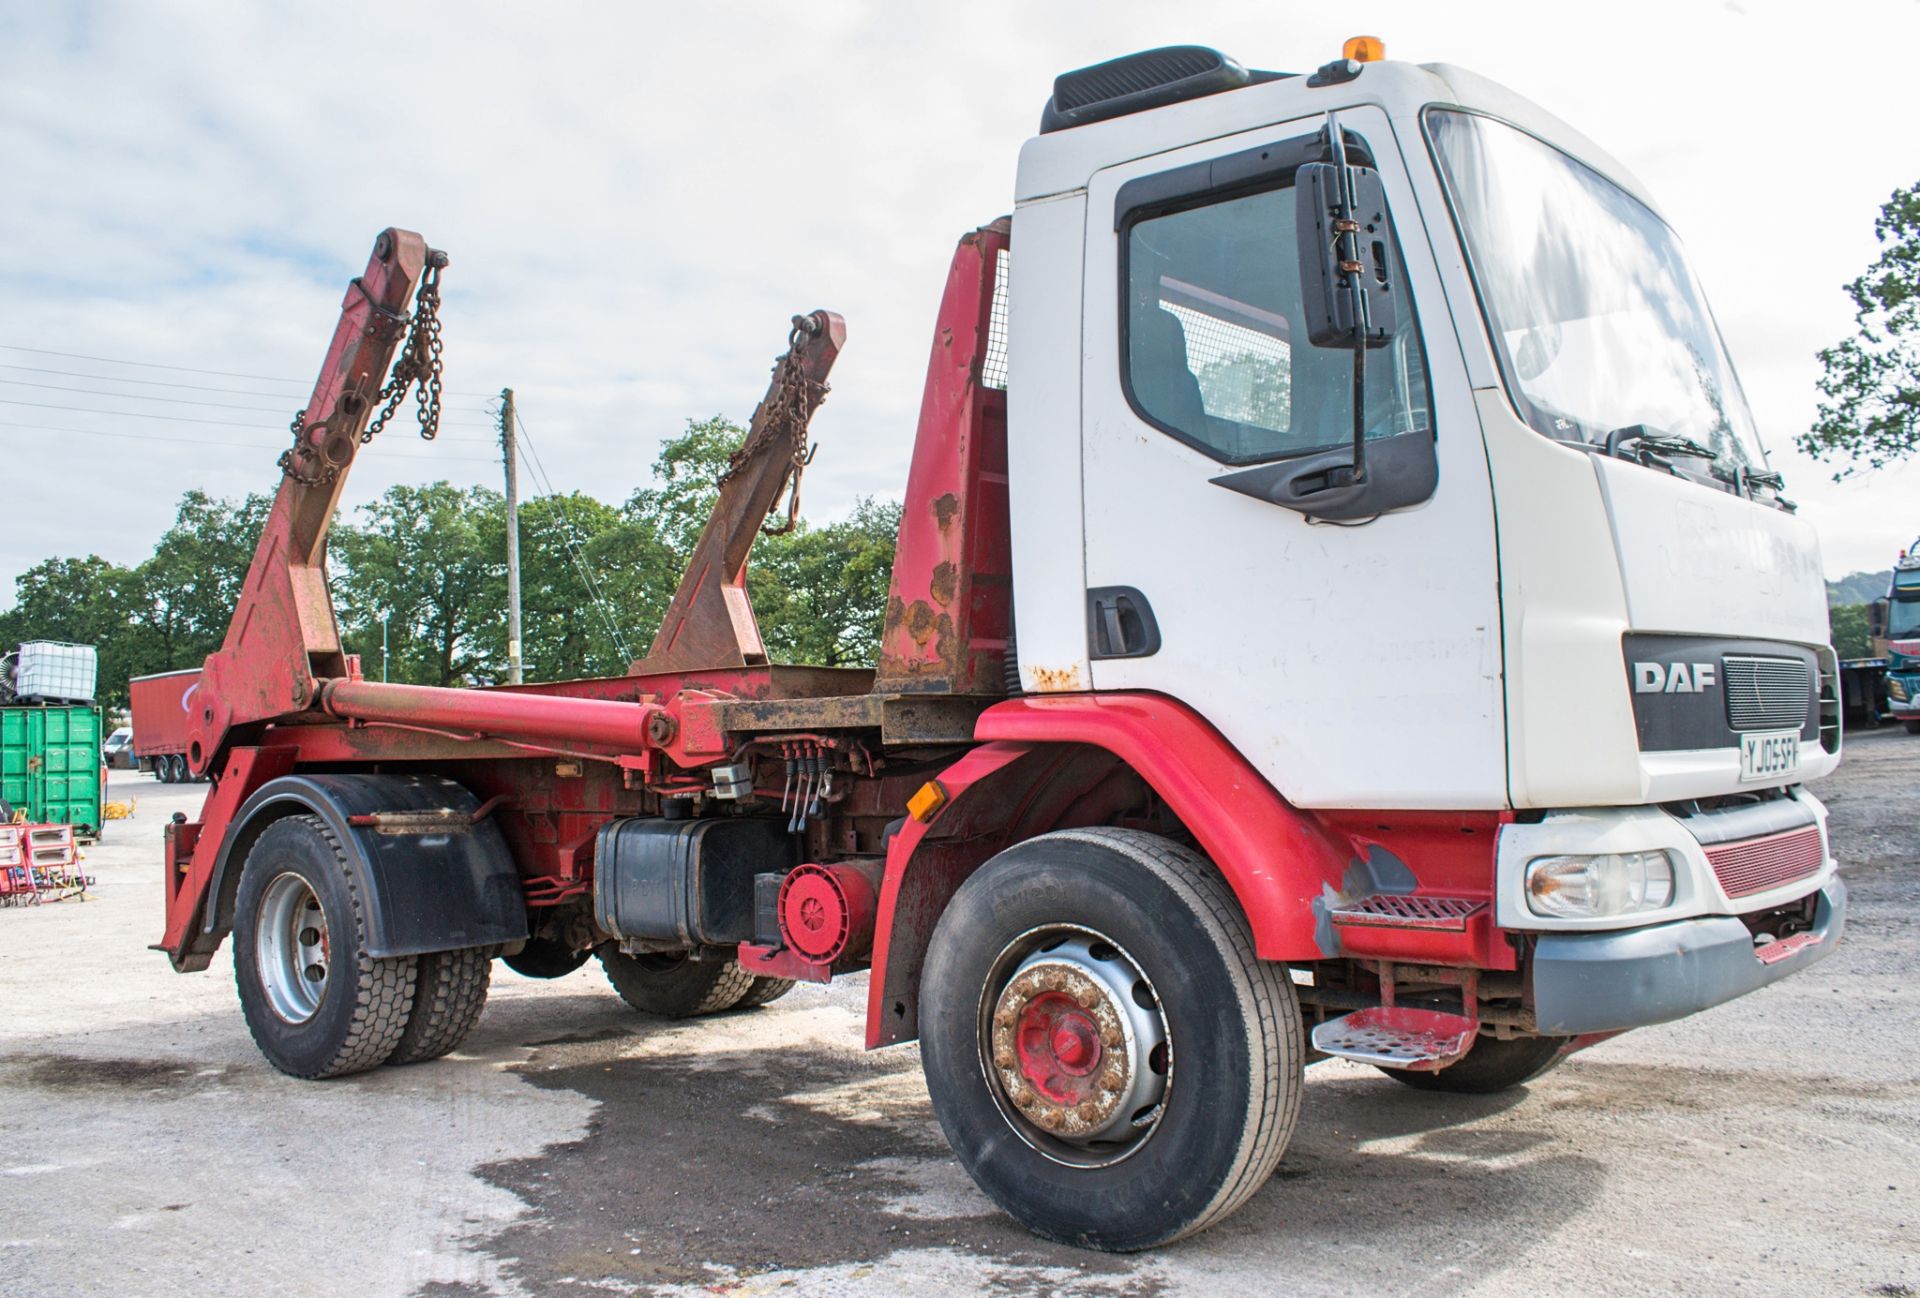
(1364, 49)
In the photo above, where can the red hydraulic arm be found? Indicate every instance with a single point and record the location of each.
(710, 622)
(283, 636)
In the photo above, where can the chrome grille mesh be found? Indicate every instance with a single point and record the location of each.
(1766, 693)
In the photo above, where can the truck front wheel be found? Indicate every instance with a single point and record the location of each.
(317, 1004)
(1108, 1058)
(674, 985)
(1491, 1066)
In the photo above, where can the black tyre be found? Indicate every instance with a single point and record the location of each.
(674, 986)
(542, 957)
(1108, 1059)
(317, 1004)
(1492, 1065)
(1913, 727)
(764, 992)
(163, 768)
(450, 990)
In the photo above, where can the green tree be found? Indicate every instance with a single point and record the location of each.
(84, 601)
(1847, 629)
(1870, 387)
(431, 562)
(821, 592)
(184, 596)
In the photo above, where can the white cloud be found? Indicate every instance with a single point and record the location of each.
(637, 196)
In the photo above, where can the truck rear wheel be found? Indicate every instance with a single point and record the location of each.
(674, 985)
(1492, 1065)
(317, 1004)
(450, 990)
(1109, 1060)
(764, 992)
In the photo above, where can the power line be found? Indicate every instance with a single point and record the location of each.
(240, 446)
(140, 396)
(179, 369)
(175, 419)
(151, 383)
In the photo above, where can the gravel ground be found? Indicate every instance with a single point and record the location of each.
(1769, 1146)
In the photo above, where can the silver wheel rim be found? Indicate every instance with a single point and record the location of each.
(1101, 1099)
(290, 947)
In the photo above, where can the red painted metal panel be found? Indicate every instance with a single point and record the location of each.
(160, 711)
(246, 769)
(949, 606)
(1277, 860)
(908, 915)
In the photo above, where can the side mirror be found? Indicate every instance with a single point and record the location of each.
(1348, 300)
(1877, 620)
(1346, 287)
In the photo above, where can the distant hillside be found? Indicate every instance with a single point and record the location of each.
(1858, 588)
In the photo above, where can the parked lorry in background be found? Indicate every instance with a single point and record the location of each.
(1893, 623)
(161, 704)
(1340, 606)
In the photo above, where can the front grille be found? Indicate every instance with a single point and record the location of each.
(1757, 864)
(1766, 693)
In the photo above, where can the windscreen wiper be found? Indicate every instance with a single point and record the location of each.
(1652, 440)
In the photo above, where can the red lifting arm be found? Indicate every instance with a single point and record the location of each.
(283, 635)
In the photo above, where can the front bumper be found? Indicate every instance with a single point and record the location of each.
(1629, 978)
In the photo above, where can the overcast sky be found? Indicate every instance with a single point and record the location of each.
(636, 197)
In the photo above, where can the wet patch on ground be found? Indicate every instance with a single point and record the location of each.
(86, 1073)
(704, 1167)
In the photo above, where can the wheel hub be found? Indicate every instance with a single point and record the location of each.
(1074, 1046)
(291, 948)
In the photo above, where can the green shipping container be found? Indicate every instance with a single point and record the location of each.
(50, 765)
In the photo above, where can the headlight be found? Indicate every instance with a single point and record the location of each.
(1896, 689)
(1599, 887)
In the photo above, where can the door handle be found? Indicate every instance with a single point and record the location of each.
(1120, 623)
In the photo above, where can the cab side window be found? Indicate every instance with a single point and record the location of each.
(1212, 291)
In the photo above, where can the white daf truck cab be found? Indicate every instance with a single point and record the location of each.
(1563, 586)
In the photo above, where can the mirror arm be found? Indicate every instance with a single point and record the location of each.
(1346, 237)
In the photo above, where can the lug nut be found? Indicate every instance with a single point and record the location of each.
(1087, 997)
(1088, 1111)
(1112, 1039)
(1003, 1058)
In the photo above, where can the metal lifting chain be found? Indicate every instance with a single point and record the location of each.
(790, 406)
(419, 364)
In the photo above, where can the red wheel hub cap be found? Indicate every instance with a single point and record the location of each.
(1058, 1045)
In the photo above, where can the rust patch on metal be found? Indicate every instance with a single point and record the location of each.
(946, 580)
(1056, 680)
(945, 509)
(920, 622)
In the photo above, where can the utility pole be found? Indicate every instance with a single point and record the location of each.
(512, 460)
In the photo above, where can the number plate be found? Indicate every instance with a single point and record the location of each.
(1769, 754)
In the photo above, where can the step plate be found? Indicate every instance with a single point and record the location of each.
(1393, 1037)
(1391, 910)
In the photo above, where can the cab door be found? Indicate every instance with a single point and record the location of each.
(1355, 664)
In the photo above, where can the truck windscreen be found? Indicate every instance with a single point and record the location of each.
(1598, 319)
